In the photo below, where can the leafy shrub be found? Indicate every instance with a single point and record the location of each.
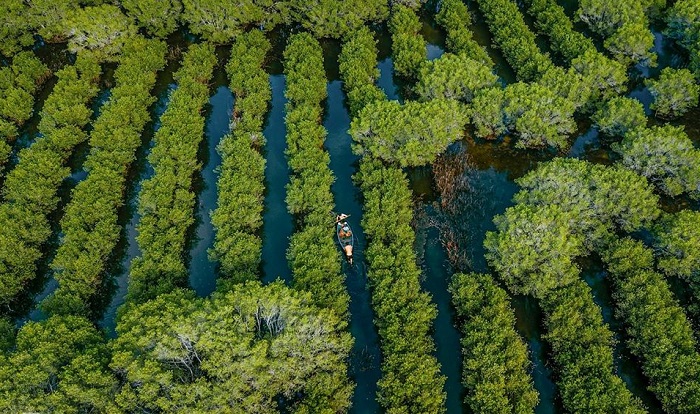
(677, 242)
(666, 156)
(166, 200)
(90, 223)
(408, 47)
(453, 77)
(243, 349)
(659, 333)
(496, 364)
(582, 349)
(159, 18)
(513, 36)
(533, 112)
(454, 16)
(238, 215)
(553, 22)
(412, 134)
(619, 116)
(675, 92)
(31, 188)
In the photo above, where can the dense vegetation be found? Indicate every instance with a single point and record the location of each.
(90, 224)
(410, 381)
(31, 188)
(568, 208)
(251, 347)
(18, 84)
(660, 335)
(495, 357)
(166, 200)
(516, 40)
(312, 253)
(238, 216)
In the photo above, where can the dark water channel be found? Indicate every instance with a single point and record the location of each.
(277, 222)
(127, 248)
(203, 271)
(627, 366)
(366, 356)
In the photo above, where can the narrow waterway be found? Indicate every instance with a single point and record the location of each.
(627, 366)
(436, 279)
(366, 356)
(203, 271)
(127, 248)
(277, 222)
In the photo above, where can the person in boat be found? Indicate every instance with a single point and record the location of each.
(344, 231)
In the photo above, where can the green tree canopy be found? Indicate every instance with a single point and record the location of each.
(533, 249)
(103, 29)
(59, 365)
(620, 115)
(158, 17)
(408, 135)
(244, 350)
(677, 243)
(666, 156)
(534, 113)
(632, 44)
(607, 78)
(496, 364)
(602, 199)
(675, 92)
(454, 77)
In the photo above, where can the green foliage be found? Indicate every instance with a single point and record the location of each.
(677, 243)
(567, 207)
(619, 116)
(601, 199)
(453, 77)
(666, 156)
(552, 21)
(103, 29)
(242, 351)
(533, 249)
(15, 27)
(496, 364)
(513, 36)
(166, 200)
(31, 188)
(605, 17)
(412, 134)
(357, 62)
(530, 111)
(220, 21)
(454, 16)
(411, 380)
(337, 18)
(683, 23)
(659, 333)
(238, 215)
(18, 83)
(312, 254)
(158, 17)
(607, 78)
(632, 44)
(7, 334)
(90, 224)
(59, 365)
(569, 85)
(624, 25)
(582, 349)
(407, 46)
(675, 92)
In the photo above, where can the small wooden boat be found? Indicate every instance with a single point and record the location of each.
(346, 238)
